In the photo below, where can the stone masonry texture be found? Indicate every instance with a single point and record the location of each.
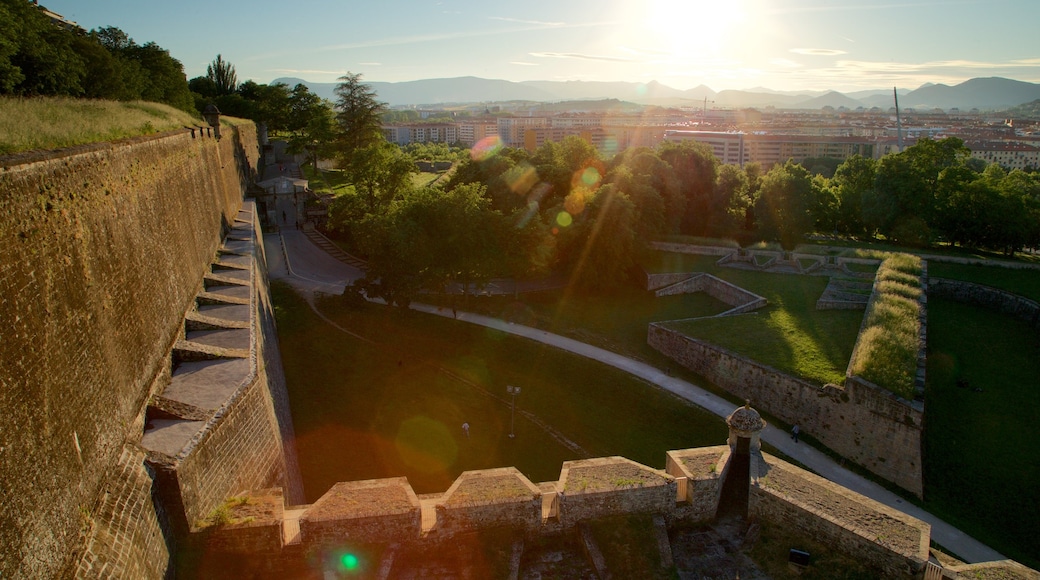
(102, 249)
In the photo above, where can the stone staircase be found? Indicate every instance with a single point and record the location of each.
(332, 249)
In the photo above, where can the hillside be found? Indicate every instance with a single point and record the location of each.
(980, 93)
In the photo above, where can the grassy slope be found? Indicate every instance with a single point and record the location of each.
(365, 410)
(54, 123)
(981, 458)
(788, 334)
(1022, 282)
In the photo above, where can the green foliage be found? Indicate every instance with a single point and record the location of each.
(888, 347)
(695, 171)
(358, 114)
(222, 74)
(786, 203)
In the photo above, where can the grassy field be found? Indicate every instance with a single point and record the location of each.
(54, 123)
(789, 334)
(1025, 282)
(981, 457)
(393, 402)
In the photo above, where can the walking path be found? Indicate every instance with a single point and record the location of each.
(294, 258)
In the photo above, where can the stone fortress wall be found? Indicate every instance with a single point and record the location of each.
(859, 420)
(386, 514)
(105, 248)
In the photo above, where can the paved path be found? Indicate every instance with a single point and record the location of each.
(303, 267)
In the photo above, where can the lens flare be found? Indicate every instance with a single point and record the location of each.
(349, 561)
(486, 147)
(564, 219)
(521, 178)
(426, 445)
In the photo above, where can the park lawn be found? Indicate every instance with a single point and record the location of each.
(327, 181)
(789, 334)
(1024, 282)
(616, 321)
(394, 406)
(423, 179)
(981, 458)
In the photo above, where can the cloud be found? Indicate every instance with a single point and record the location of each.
(520, 21)
(578, 55)
(785, 63)
(371, 63)
(818, 51)
(308, 71)
(522, 63)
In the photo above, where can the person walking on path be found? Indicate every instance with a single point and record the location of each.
(794, 433)
(465, 429)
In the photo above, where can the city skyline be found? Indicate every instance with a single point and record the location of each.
(844, 45)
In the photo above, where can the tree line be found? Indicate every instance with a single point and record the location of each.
(39, 57)
(509, 212)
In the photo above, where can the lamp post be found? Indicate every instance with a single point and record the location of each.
(212, 115)
(512, 414)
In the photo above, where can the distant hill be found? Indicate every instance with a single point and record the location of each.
(831, 99)
(982, 93)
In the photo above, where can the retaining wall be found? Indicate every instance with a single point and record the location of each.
(863, 423)
(102, 248)
(987, 297)
(875, 534)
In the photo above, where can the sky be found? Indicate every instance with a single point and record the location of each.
(785, 45)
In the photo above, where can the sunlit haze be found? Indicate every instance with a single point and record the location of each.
(844, 45)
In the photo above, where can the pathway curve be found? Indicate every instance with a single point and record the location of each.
(301, 266)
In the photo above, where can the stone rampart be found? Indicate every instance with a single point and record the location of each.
(863, 423)
(489, 499)
(883, 538)
(693, 249)
(987, 297)
(102, 249)
(220, 429)
(671, 284)
(612, 486)
(378, 510)
(704, 470)
(376, 515)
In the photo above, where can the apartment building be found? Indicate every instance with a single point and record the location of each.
(421, 133)
(512, 129)
(1009, 155)
(471, 132)
(738, 148)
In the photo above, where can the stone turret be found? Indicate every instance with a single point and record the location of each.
(745, 423)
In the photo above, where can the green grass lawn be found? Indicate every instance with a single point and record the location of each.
(326, 181)
(395, 406)
(789, 334)
(982, 462)
(1025, 282)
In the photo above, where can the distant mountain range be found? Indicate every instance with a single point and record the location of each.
(993, 93)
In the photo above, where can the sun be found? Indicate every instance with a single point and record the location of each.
(694, 28)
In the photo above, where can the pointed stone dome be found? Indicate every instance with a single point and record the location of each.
(745, 419)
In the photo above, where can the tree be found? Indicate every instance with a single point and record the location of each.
(358, 113)
(380, 172)
(607, 242)
(312, 123)
(730, 202)
(222, 73)
(785, 204)
(853, 181)
(37, 57)
(695, 169)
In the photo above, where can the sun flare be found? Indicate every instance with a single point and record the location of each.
(693, 28)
